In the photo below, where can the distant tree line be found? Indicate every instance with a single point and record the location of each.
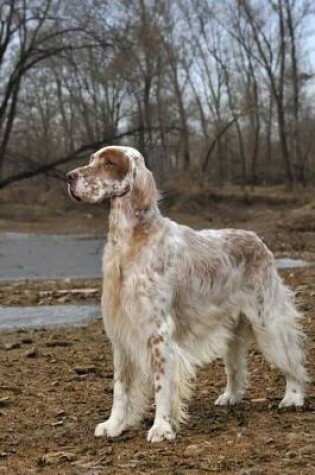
(220, 90)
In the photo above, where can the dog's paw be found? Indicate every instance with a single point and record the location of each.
(292, 400)
(228, 399)
(160, 431)
(109, 428)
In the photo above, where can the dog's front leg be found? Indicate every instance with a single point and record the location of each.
(117, 421)
(163, 362)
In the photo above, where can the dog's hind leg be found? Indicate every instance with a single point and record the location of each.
(280, 344)
(235, 361)
(280, 339)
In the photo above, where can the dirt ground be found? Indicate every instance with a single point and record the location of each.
(56, 385)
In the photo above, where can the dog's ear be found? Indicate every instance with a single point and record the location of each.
(145, 193)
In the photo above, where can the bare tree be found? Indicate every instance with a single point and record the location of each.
(29, 35)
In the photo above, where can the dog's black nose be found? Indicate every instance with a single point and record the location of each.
(71, 176)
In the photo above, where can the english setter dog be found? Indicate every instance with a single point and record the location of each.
(175, 299)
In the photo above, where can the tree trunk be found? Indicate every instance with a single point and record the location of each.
(284, 145)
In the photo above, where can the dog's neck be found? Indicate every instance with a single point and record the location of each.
(128, 220)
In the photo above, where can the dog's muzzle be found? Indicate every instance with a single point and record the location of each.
(71, 179)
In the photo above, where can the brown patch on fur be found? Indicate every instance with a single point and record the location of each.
(244, 246)
(141, 234)
(155, 340)
(113, 163)
(158, 366)
(158, 362)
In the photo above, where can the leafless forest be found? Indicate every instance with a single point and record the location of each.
(221, 90)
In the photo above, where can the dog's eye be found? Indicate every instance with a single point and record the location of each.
(109, 164)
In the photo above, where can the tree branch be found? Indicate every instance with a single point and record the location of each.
(216, 138)
(75, 155)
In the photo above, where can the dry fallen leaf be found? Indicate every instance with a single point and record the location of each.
(56, 457)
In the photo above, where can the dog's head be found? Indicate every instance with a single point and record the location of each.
(111, 172)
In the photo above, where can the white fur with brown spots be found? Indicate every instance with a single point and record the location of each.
(175, 299)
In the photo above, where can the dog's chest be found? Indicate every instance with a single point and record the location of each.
(125, 300)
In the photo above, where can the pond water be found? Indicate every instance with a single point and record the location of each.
(46, 316)
(41, 257)
(287, 263)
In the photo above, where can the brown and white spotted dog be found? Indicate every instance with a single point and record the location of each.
(175, 299)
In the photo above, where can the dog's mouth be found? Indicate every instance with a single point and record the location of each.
(109, 195)
(73, 196)
(123, 192)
